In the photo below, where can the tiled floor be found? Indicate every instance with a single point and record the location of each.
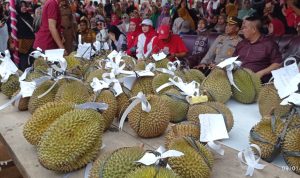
(11, 172)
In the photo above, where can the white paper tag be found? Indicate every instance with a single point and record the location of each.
(283, 78)
(85, 51)
(227, 62)
(54, 54)
(159, 56)
(27, 88)
(212, 127)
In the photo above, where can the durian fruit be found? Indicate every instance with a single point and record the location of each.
(183, 129)
(177, 104)
(194, 75)
(130, 62)
(143, 84)
(72, 61)
(106, 96)
(153, 123)
(160, 79)
(248, 83)
(72, 141)
(42, 118)
(269, 102)
(216, 85)
(96, 73)
(152, 172)
(211, 108)
(72, 91)
(117, 164)
(122, 102)
(196, 162)
(11, 86)
(35, 102)
(33, 75)
(140, 65)
(265, 135)
(162, 63)
(41, 64)
(22, 104)
(181, 74)
(291, 149)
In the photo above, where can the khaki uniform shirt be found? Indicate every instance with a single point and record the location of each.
(221, 49)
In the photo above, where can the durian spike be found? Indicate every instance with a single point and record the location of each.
(174, 130)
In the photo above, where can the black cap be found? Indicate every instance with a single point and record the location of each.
(234, 21)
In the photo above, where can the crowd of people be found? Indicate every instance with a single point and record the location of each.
(153, 27)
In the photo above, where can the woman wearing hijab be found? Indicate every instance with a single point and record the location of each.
(183, 12)
(164, 16)
(25, 35)
(145, 39)
(115, 20)
(87, 35)
(154, 16)
(117, 39)
(124, 26)
(135, 29)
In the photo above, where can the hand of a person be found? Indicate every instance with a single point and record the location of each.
(211, 66)
(1, 24)
(260, 74)
(200, 66)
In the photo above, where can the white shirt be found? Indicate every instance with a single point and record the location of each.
(140, 47)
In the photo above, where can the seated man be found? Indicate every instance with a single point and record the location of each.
(224, 45)
(169, 43)
(258, 52)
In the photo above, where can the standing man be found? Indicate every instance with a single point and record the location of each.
(48, 36)
(257, 52)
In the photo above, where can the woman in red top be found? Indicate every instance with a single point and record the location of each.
(135, 29)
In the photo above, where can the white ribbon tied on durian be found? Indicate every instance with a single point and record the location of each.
(294, 98)
(151, 158)
(55, 83)
(116, 64)
(140, 98)
(230, 63)
(189, 89)
(85, 51)
(159, 56)
(99, 85)
(7, 67)
(92, 105)
(171, 68)
(248, 157)
(37, 53)
(26, 90)
(129, 80)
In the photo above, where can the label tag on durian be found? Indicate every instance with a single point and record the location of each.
(285, 79)
(248, 157)
(151, 158)
(213, 128)
(197, 99)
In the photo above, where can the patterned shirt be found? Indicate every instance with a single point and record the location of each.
(221, 49)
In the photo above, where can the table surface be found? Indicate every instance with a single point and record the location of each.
(25, 157)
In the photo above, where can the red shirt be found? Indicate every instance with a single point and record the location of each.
(175, 45)
(43, 37)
